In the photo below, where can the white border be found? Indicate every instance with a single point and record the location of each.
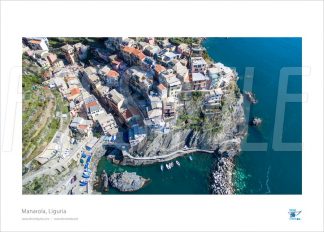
(188, 213)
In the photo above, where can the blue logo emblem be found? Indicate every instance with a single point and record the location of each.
(294, 214)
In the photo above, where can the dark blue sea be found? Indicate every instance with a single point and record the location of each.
(273, 171)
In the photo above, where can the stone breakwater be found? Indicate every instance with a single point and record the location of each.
(221, 177)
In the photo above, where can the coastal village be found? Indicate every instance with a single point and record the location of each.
(118, 95)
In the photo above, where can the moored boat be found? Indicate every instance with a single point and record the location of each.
(190, 157)
(83, 183)
(162, 167)
(85, 176)
(178, 163)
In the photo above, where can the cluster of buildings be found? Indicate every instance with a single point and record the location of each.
(37, 48)
(134, 83)
(84, 107)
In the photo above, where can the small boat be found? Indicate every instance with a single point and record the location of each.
(178, 163)
(162, 167)
(85, 176)
(171, 165)
(87, 170)
(83, 183)
(190, 157)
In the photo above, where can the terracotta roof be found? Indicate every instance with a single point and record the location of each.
(83, 127)
(159, 68)
(75, 91)
(161, 87)
(47, 74)
(93, 103)
(112, 74)
(35, 41)
(140, 56)
(136, 51)
(128, 49)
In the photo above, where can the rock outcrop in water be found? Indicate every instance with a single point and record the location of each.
(104, 179)
(127, 181)
(251, 97)
(256, 121)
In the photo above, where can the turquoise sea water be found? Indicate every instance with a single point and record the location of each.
(259, 172)
(256, 172)
(192, 177)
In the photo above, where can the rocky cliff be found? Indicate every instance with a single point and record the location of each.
(230, 125)
(222, 134)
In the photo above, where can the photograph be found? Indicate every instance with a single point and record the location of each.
(161, 115)
(167, 115)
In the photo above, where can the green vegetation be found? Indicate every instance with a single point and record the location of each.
(157, 39)
(39, 123)
(73, 164)
(199, 122)
(34, 101)
(197, 96)
(188, 40)
(28, 66)
(206, 56)
(97, 134)
(29, 81)
(237, 92)
(53, 126)
(61, 104)
(189, 121)
(61, 41)
(39, 185)
(234, 87)
(192, 116)
(97, 131)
